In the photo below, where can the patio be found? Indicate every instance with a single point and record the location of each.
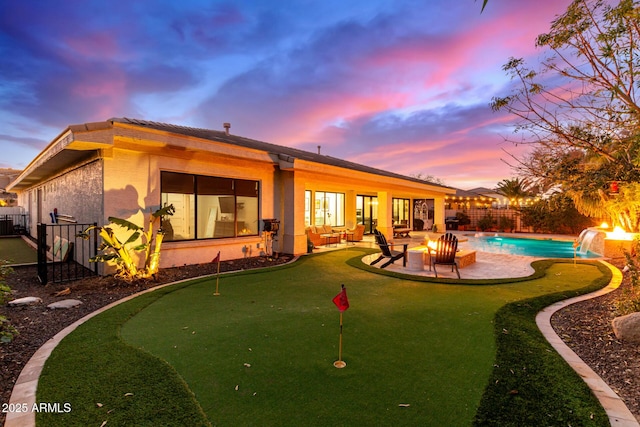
(487, 265)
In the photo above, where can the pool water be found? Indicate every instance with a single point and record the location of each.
(546, 248)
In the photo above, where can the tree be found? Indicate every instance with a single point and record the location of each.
(556, 214)
(580, 109)
(428, 178)
(514, 188)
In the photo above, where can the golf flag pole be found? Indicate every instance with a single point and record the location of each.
(217, 260)
(342, 302)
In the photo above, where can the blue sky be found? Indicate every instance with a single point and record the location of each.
(396, 84)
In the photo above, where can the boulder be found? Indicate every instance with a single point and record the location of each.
(65, 303)
(627, 327)
(25, 301)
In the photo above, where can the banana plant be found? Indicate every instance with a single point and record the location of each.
(121, 252)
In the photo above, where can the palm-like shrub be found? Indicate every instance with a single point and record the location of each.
(121, 253)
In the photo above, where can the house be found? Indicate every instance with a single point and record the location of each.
(225, 188)
(6, 176)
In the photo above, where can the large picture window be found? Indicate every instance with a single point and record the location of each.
(209, 207)
(329, 209)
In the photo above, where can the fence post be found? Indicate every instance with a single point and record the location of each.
(42, 253)
(95, 247)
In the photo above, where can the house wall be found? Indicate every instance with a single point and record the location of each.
(76, 192)
(132, 191)
(123, 180)
(353, 183)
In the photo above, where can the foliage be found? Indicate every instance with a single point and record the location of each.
(121, 252)
(428, 178)
(506, 224)
(515, 188)
(463, 218)
(556, 214)
(5, 290)
(7, 332)
(580, 109)
(486, 222)
(630, 301)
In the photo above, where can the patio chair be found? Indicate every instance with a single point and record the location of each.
(446, 248)
(389, 253)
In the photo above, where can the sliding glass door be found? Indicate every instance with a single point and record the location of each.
(367, 212)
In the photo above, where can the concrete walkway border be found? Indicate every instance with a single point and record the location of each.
(619, 414)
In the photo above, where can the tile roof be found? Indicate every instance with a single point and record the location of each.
(222, 136)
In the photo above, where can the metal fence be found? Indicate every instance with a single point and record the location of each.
(12, 224)
(62, 256)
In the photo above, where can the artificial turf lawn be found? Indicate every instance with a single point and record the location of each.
(16, 251)
(427, 345)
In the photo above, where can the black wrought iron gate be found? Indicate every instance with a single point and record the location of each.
(62, 256)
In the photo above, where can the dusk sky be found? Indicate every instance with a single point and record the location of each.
(399, 85)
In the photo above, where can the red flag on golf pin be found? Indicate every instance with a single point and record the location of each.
(341, 301)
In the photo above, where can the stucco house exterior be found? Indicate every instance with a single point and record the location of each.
(222, 186)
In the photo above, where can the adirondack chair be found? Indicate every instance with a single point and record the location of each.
(446, 248)
(389, 253)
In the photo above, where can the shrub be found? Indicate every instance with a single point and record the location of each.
(506, 224)
(557, 214)
(630, 301)
(486, 222)
(7, 331)
(121, 252)
(463, 218)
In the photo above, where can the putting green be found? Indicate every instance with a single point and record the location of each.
(16, 251)
(262, 352)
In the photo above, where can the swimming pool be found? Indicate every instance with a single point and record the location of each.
(546, 248)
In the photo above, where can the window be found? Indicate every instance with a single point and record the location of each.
(329, 209)
(400, 211)
(209, 207)
(307, 208)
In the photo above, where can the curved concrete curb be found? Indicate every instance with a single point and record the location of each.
(23, 395)
(619, 414)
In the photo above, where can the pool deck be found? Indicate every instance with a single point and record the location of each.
(487, 265)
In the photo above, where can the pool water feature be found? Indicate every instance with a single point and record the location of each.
(591, 239)
(546, 248)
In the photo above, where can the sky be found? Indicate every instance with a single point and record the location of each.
(400, 85)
